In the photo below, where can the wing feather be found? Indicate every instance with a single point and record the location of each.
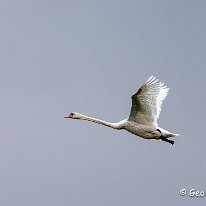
(147, 102)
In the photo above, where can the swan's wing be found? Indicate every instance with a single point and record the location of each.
(147, 102)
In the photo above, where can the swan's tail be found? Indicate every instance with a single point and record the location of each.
(167, 134)
(171, 135)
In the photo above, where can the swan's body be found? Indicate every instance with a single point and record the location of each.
(146, 107)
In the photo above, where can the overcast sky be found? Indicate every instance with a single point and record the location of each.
(58, 57)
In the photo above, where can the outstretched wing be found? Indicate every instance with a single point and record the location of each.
(147, 102)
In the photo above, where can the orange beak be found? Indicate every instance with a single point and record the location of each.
(68, 116)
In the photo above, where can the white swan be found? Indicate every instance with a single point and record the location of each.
(146, 107)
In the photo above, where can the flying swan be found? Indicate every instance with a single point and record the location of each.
(146, 107)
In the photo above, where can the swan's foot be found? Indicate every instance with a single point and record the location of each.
(165, 139)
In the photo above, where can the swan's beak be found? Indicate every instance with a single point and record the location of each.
(68, 116)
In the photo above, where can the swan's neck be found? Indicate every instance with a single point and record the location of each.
(118, 125)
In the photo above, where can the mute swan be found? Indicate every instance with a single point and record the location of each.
(146, 107)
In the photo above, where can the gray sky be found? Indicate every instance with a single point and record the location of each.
(91, 56)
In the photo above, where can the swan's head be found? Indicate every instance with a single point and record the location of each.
(74, 115)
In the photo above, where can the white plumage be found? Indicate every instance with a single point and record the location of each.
(146, 108)
(147, 102)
